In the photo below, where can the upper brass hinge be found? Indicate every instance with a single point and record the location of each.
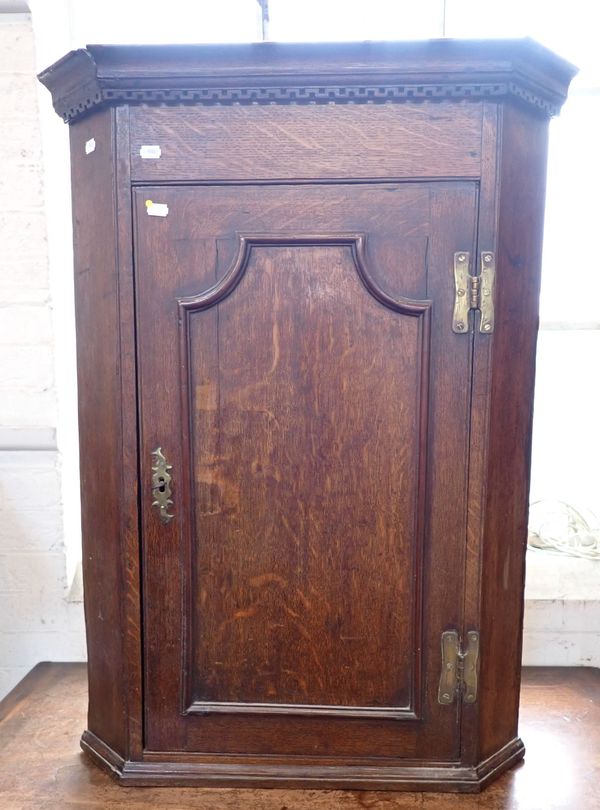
(473, 292)
(459, 667)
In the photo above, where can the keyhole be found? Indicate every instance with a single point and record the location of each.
(161, 484)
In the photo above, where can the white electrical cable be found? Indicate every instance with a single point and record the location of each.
(558, 528)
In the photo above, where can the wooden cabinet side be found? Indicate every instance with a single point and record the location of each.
(508, 363)
(99, 371)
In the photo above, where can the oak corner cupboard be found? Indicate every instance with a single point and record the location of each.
(306, 283)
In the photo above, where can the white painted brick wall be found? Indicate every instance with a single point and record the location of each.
(23, 324)
(562, 611)
(23, 279)
(36, 621)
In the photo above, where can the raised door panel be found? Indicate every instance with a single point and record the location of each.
(298, 370)
(305, 480)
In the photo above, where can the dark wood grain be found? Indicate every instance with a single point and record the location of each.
(521, 189)
(297, 500)
(349, 475)
(130, 489)
(42, 769)
(480, 394)
(315, 142)
(100, 433)
(327, 491)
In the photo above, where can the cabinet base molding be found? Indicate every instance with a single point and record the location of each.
(168, 772)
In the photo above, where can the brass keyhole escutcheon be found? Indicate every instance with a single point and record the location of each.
(161, 485)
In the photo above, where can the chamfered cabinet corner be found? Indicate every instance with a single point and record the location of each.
(306, 283)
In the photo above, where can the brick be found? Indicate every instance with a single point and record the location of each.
(24, 325)
(24, 281)
(40, 612)
(21, 184)
(29, 367)
(18, 94)
(36, 487)
(31, 530)
(572, 649)
(20, 230)
(21, 573)
(15, 294)
(17, 53)
(21, 147)
(562, 615)
(12, 135)
(28, 409)
(28, 649)
(31, 612)
(26, 461)
(28, 439)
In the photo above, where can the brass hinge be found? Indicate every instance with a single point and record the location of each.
(459, 667)
(473, 292)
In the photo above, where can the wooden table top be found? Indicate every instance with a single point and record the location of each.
(42, 768)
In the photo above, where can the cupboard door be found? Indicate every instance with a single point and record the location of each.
(298, 371)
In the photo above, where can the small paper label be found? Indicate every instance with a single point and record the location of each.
(156, 209)
(90, 146)
(150, 152)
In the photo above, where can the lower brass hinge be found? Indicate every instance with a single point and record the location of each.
(459, 667)
(474, 292)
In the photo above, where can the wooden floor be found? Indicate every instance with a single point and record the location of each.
(42, 768)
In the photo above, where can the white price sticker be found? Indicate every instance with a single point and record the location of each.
(156, 209)
(150, 151)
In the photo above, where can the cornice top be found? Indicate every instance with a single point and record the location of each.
(290, 73)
